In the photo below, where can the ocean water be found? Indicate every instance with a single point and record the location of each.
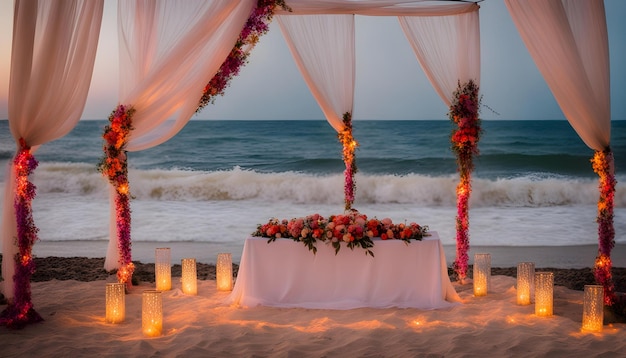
(217, 180)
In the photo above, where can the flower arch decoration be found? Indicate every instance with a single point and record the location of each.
(256, 26)
(602, 165)
(20, 312)
(114, 166)
(464, 113)
(349, 147)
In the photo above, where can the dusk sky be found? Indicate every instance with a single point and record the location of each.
(390, 84)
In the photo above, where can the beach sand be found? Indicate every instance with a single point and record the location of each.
(69, 294)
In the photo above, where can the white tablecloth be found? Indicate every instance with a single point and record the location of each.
(285, 273)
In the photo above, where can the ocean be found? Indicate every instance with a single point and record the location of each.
(217, 180)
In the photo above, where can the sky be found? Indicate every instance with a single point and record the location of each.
(390, 84)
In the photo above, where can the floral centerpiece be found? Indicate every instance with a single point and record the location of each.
(352, 227)
(464, 113)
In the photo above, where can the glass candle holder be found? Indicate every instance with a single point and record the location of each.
(544, 288)
(151, 313)
(593, 308)
(115, 303)
(482, 274)
(189, 277)
(163, 269)
(525, 282)
(224, 272)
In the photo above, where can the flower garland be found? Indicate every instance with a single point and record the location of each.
(349, 147)
(464, 113)
(256, 26)
(602, 163)
(115, 167)
(353, 228)
(21, 312)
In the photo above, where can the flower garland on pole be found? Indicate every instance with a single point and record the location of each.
(256, 26)
(114, 166)
(20, 312)
(464, 113)
(349, 147)
(602, 163)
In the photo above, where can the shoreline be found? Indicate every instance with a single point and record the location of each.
(565, 257)
(88, 269)
(91, 269)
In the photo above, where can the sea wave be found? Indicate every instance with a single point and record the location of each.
(79, 179)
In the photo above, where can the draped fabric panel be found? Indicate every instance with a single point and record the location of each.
(53, 53)
(169, 50)
(569, 43)
(447, 48)
(323, 48)
(379, 7)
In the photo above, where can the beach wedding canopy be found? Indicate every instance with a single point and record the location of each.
(173, 52)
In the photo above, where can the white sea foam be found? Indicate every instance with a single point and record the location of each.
(292, 187)
(224, 207)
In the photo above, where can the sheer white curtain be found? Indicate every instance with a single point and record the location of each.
(447, 48)
(568, 41)
(53, 52)
(169, 50)
(323, 48)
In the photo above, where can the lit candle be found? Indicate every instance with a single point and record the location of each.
(481, 274)
(224, 272)
(544, 287)
(115, 303)
(189, 277)
(593, 308)
(151, 313)
(525, 282)
(163, 269)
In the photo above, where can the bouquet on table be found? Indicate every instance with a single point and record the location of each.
(352, 227)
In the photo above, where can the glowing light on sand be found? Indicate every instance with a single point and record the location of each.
(482, 274)
(163, 269)
(189, 277)
(544, 288)
(151, 313)
(593, 308)
(224, 272)
(525, 282)
(115, 302)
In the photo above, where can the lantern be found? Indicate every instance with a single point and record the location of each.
(151, 313)
(224, 272)
(189, 277)
(482, 274)
(525, 282)
(163, 269)
(544, 287)
(115, 302)
(593, 308)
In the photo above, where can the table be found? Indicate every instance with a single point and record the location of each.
(284, 273)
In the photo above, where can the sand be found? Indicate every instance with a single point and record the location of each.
(69, 294)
